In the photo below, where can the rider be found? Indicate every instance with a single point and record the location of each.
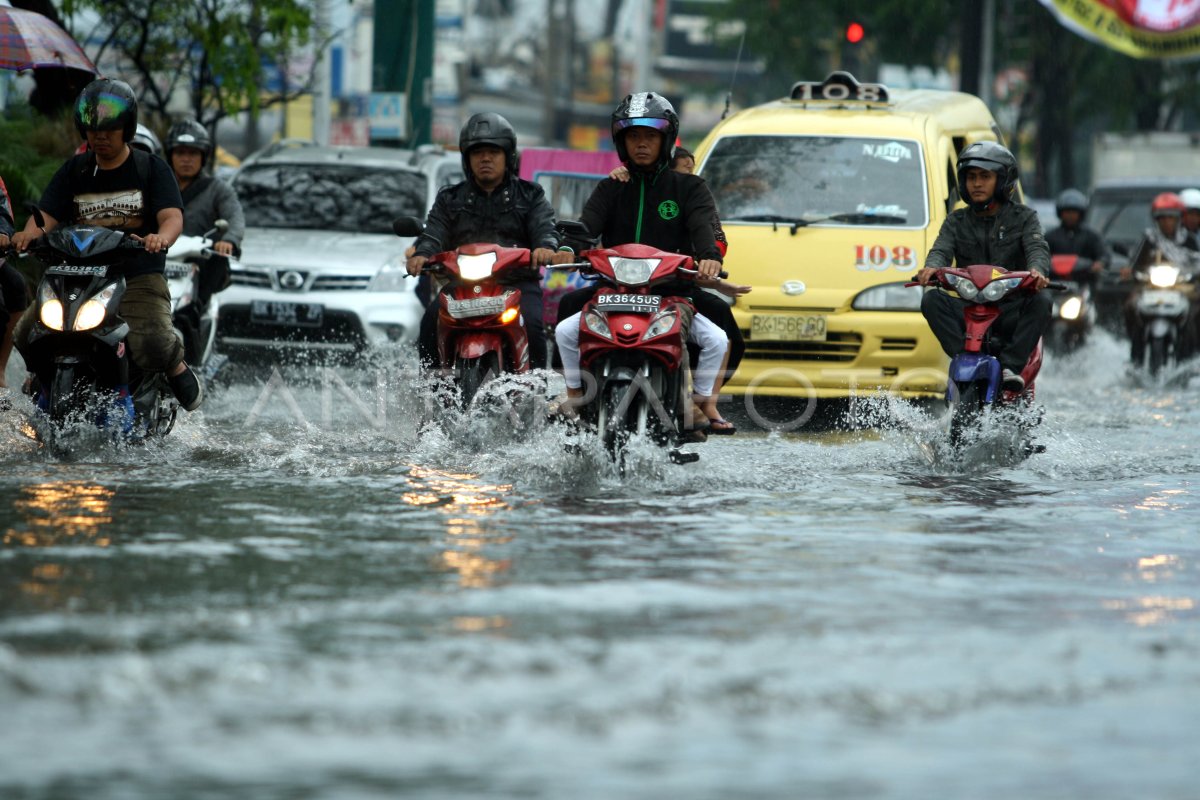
(206, 199)
(114, 186)
(1191, 210)
(993, 229)
(144, 139)
(658, 207)
(1168, 240)
(493, 205)
(13, 296)
(1074, 238)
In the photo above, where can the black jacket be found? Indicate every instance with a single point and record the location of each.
(515, 214)
(664, 209)
(1012, 239)
(1080, 241)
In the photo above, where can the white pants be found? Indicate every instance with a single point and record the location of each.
(703, 331)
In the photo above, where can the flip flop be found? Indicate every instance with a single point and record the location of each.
(715, 427)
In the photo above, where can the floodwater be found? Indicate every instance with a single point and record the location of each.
(262, 607)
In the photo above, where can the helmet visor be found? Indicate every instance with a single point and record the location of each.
(103, 111)
(642, 122)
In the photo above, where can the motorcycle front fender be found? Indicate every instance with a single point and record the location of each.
(975, 367)
(1159, 328)
(477, 345)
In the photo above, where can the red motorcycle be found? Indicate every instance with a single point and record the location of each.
(974, 384)
(633, 351)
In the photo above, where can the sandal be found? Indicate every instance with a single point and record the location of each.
(721, 427)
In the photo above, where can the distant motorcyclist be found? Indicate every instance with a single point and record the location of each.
(1074, 238)
(115, 186)
(994, 229)
(1166, 242)
(1191, 211)
(206, 199)
(13, 296)
(492, 206)
(145, 139)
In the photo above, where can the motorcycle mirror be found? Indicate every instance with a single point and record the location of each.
(407, 226)
(221, 225)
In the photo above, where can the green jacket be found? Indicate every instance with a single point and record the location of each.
(1012, 239)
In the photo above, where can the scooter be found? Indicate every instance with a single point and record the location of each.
(1164, 308)
(481, 332)
(1074, 312)
(195, 327)
(633, 349)
(974, 387)
(77, 349)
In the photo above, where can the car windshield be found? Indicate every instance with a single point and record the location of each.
(1122, 218)
(335, 197)
(837, 180)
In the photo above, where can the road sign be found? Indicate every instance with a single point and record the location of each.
(388, 115)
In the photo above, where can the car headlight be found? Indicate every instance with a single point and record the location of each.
(662, 324)
(476, 267)
(391, 277)
(1163, 275)
(597, 324)
(889, 297)
(633, 271)
(997, 289)
(965, 288)
(93, 312)
(1071, 308)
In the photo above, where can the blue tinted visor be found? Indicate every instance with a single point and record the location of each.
(642, 122)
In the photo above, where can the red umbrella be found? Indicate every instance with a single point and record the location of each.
(29, 40)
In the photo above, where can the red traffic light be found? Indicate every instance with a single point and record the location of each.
(854, 33)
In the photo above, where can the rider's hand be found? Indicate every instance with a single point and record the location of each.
(543, 256)
(709, 268)
(223, 248)
(732, 289)
(620, 174)
(415, 264)
(1040, 281)
(1126, 273)
(153, 242)
(21, 240)
(926, 275)
(1097, 267)
(563, 257)
(408, 251)
(4, 240)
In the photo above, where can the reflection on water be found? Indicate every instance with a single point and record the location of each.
(62, 512)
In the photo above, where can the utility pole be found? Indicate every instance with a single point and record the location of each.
(641, 49)
(322, 89)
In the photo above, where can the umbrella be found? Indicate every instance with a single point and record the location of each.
(29, 40)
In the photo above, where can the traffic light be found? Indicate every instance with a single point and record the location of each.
(853, 42)
(855, 33)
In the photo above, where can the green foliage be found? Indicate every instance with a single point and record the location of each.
(31, 151)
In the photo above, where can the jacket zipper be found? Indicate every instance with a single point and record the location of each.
(637, 236)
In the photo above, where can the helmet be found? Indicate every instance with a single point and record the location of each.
(489, 128)
(993, 157)
(144, 139)
(650, 110)
(1191, 199)
(1071, 200)
(1167, 204)
(190, 133)
(106, 105)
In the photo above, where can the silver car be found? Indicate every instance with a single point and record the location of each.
(321, 270)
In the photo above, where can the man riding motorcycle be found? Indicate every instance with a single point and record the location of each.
(115, 186)
(492, 206)
(1072, 237)
(13, 295)
(1191, 211)
(993, 229)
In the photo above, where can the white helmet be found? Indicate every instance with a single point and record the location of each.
(1190, 198)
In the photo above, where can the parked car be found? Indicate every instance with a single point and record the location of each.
(321, 270)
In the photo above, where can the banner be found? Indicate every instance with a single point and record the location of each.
(1162, 29)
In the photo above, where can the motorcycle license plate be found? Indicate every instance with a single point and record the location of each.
(84, 270)
(475, 306)
(270, 312)
(629, 303)
(787, 328)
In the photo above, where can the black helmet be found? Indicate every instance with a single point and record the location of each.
(144, 139)
(1072, 200)
(492, 129)
(650, 110)
(107, 105)
(190, 133)
(993, 157)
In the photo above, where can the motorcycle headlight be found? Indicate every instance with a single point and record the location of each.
(1071, 308)
(476, 267)
(662, 324)
(51, 314)
(889, 297)
(966, 290)
(597, 324)
(1163, 275)
(997, 289)
(633, 271)
(390, 278)
(95, 309)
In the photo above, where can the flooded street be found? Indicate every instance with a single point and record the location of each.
(262, 608)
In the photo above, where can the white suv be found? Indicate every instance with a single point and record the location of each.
(321, 270)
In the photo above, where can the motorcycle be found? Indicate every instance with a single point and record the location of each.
(974, 387)
(1165, 308)
(1074, 312)
(77, 349)
(481, 332)
(196, 327)
(633, 352)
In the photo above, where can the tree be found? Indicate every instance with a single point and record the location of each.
(214, 49)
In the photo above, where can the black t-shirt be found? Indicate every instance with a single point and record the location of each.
(81, 193)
